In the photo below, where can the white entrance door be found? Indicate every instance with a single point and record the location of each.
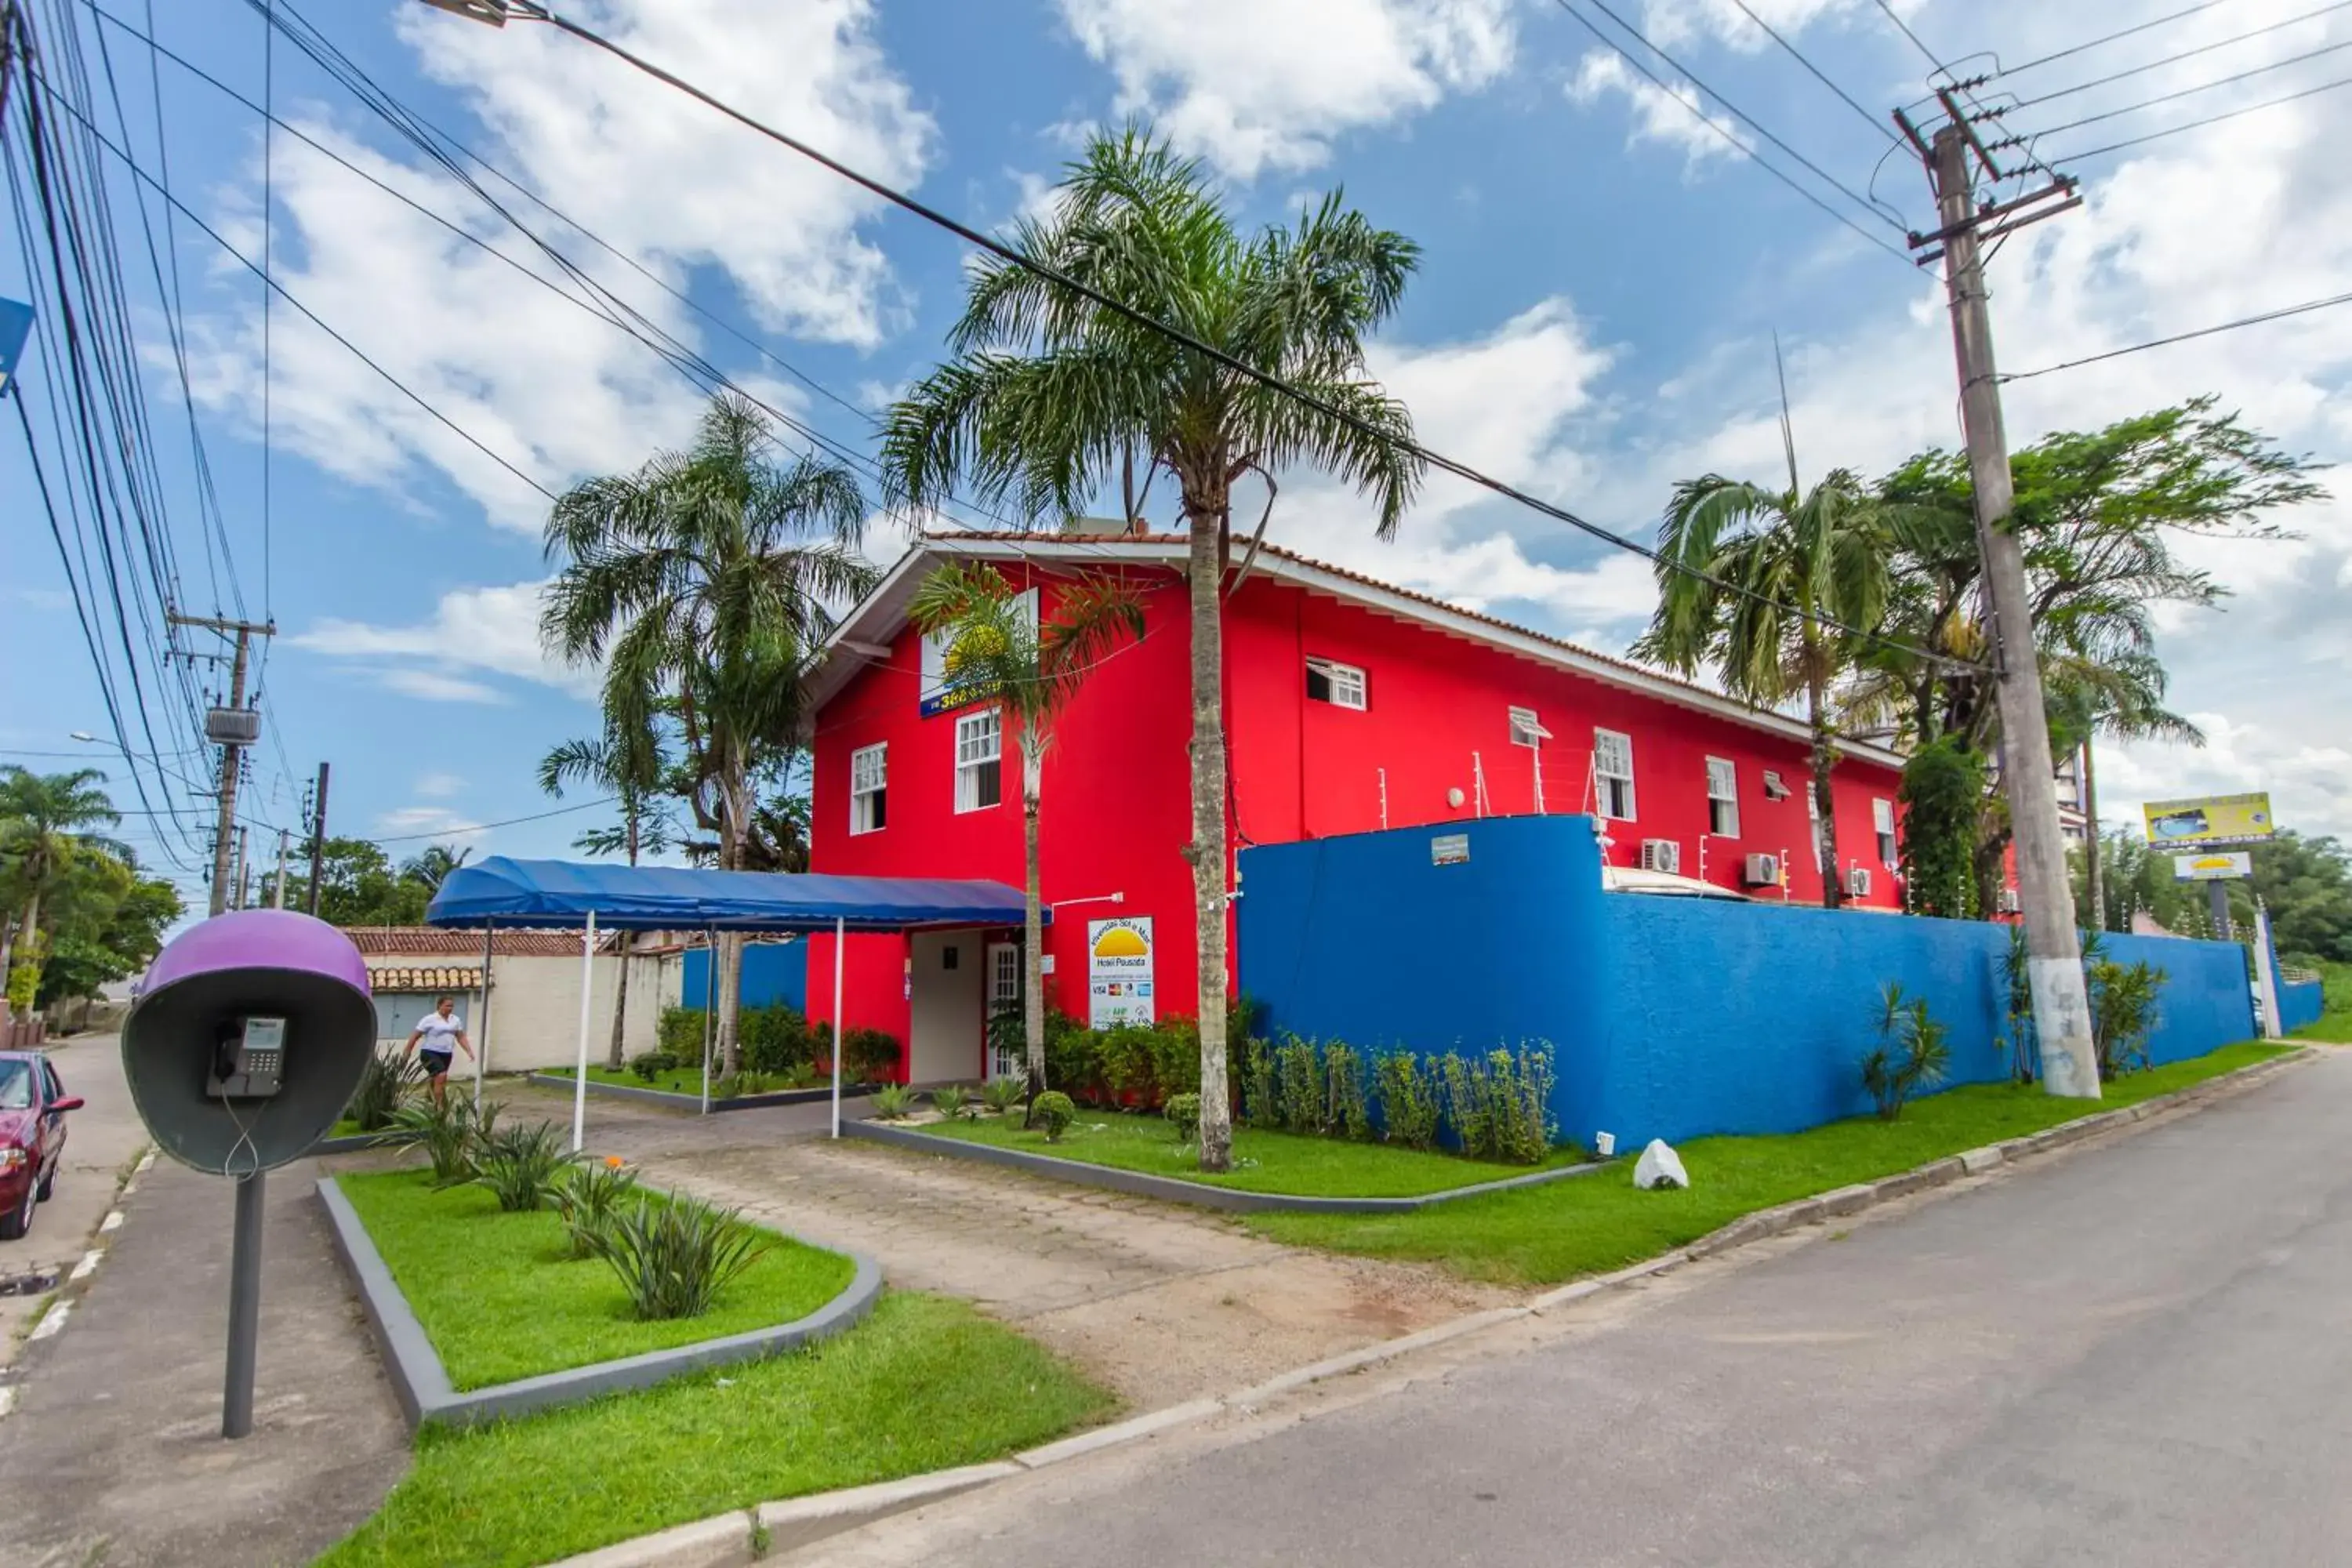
(946, 1018)
(1006, 1060)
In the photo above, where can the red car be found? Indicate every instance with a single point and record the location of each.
(33, 1106)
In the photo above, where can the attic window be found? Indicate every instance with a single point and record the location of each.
(1774, 789)
(1340, 685)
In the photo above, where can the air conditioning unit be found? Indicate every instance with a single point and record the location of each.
(2009, 903)
(1762, 871)
(1662, 855)
(1857, 883)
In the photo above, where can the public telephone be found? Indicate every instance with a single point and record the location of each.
(248, 1059)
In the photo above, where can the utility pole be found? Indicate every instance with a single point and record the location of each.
(241, 877)
(278, 899)
(317, 838)
(232, 729)
(2061, 1013)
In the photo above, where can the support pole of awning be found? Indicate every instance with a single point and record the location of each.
(579, 1068)
(482, 1035)
(840, 941)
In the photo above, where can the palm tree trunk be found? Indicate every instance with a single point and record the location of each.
(1208, 850)
(1033, 951)
(732, 832)
(615, 1055)
(1824, 803)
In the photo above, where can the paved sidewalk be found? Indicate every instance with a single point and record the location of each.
(113, 1451)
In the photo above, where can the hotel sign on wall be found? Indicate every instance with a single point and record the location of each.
(1118, 972)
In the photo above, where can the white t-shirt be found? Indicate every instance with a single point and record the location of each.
(440, 1033)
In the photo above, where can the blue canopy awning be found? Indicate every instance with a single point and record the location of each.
(676, 898)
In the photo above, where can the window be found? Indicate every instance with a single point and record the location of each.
(1882, 819)
(1613, 775)
(1526, 730)
(1813, 826)
(1722, 797)
(869, 798)
(1775, 787)
(980, 771)
(1340, 685)
(1003, 975)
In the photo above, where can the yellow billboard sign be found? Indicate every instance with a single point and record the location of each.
(2209, 819)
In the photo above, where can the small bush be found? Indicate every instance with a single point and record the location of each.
(1465, 1092)
(892, 1102)
(1261, 1098)
(1052, 1113)
(1183, 1113)
(1345, 1104)
(650, 1065)
(775, 1039)
(1299, 1081)
(384, 1083)
(1912, 1053)
(446, 1133)
(587, 1199)
(522, 1166)
(2123, 1013)
(1520, 1115)
(1407, 1089)
(675, 1257)
(948, 1101)
(679, 1035)
(873, 1054)
(1002, 1094)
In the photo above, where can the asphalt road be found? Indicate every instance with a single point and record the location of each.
(101, 1141)
(2136, 1354)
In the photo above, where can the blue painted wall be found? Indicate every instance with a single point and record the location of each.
(1668, 1017)
(2301, 1003)
(772, 972)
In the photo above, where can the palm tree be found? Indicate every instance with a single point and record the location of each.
(433, 865)
(1750, 580)
(631, 766)
(1030, 670)
(1047, 394)
(45, 819)
(702, 580)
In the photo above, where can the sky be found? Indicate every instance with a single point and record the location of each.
(1603, 279)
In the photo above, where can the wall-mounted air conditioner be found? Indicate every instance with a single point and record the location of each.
(1857, 883)
(1762, 871)
(1662, 855)
(2008, 903)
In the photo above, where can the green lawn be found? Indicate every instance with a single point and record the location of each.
(926, 1384)
(2335, 1024)
(501, 1298)
(1263, 1162)
(689, 1080)
(1546, 1235)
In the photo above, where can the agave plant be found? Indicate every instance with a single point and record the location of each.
(948, 1101)
(1002, 1094)
(385, 1083)
(524, 1167)
(673, 1257)
(587, 1199)
(892, 1102)
(447, 1133)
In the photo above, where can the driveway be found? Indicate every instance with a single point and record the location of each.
(2134, 1355)
(1161, 1303)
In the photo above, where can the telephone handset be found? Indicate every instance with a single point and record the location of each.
(248, 1059)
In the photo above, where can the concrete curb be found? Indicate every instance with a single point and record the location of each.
(694, 1101)
(833, 1514)
(352, 1143)
(422, 1383)
(1175, 1190)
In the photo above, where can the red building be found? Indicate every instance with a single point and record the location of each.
(1350, 705)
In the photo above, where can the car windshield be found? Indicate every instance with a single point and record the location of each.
(15, 1085)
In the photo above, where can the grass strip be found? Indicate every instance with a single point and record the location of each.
(501, 1296)
(2334, 1025)
(926, 1384)
(1263, 1161)
(1549, 1234)
(689, 1080)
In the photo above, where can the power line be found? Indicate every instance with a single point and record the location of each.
(1999, 70)
(2280, 314)
(2183, 92)
(1820, 75)
(531, 10)
(486, 827)
(2200, 124)
(1741, 115)
(2190, 54)
(1904, 28)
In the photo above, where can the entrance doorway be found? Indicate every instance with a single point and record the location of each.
(1008, 1060)
(946, 1018)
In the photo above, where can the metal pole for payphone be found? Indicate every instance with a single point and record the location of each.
(243, 1307)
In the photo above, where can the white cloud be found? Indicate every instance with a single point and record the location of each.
(421, 824)
(1671, 117)
(470, 631)
(1254, 86)
(440, 785)
(674, 186)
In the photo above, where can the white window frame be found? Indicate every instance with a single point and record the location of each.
(979, 741)
(1722, 797)
(869, 798)
(1882, 822)
(1813, 822)
(1526, 728)
(1605, 801)
(1346, 683)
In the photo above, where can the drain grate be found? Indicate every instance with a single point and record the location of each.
(27, 1284)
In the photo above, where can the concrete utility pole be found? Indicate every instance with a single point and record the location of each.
(277, 895)
(317, 838)
(2061, 1013)
(232, 746)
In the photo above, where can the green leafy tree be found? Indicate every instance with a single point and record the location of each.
(2306, 885)
(46, 820)
(359, 885)
(108, 922)
(432, 865)
(1778, 569)
(704, 579)
(1942, 795)
(631, 766)
(1031, 670)
(1049, 395)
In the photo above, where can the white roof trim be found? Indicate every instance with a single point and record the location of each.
(890, 595)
